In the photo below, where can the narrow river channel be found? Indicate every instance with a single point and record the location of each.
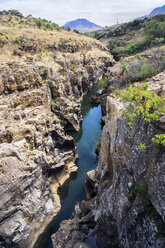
(86, 144)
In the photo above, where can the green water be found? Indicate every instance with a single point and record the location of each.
(86, 144)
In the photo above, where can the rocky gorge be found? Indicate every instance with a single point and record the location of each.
(44, 76)
(125, 194)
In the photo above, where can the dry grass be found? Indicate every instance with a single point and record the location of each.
(43, 39)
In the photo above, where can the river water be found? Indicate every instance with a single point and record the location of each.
(86, 144)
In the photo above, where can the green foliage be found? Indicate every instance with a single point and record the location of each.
(44, 24)
(147, 71)
(142, 147)
(125, 67)
(56, 26)
(155, 33)
(131, 49)
(143, 103)
(38, 23)
(104, 83)
(47, 84)
(159, 139)
(31, 147)
(50, 180)
(141, 191)
(53, 103)
(142, 67)
(112, 45)
(76, 31)
(48, 26)
(12, 11)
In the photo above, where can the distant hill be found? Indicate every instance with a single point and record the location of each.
(82, 25)
(130, 38)
(156, 11)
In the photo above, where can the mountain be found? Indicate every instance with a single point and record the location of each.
(154, 12)
(158, 11)
(82, 25)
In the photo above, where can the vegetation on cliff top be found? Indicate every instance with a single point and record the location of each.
(131, 38)
(14, 17)
(146, 104)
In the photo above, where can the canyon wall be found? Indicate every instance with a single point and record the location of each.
(41, 87)
(130, 182)
(125, 194)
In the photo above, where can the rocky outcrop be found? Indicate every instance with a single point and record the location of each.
(40, 95)
(125, 194)
(129, 182)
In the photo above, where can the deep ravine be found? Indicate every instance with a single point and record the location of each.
(86, 141)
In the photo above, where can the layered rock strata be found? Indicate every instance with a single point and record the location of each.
(41, 87)
(126, 192)
(124, 169)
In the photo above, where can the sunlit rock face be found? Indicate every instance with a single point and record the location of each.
(41, 87)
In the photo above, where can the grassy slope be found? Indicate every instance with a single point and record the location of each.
(118, 37)
(135, 63)
(17, 33)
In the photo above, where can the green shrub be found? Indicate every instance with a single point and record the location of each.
(112, 45)
(12, 11)
(159, 139)
(143, 103)
(56, 26)
(48, 26)
(155, 31)
(31, 147)
(125, 67)
(38, 23)
(147, 71)
(76, 31)
(131, 49)
(142, 67)
(142, 147)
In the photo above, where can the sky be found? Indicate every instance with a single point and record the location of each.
(101, 12)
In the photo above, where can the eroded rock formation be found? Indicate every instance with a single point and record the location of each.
(126, 192)
(41, 86)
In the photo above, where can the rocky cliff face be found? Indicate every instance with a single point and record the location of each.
(43, 76)
(123, 170)
(125, 206)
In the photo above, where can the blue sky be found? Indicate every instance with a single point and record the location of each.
(102, 12)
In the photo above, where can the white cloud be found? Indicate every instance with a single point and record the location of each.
(103, 12)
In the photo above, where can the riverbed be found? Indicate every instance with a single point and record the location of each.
(86, 140)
